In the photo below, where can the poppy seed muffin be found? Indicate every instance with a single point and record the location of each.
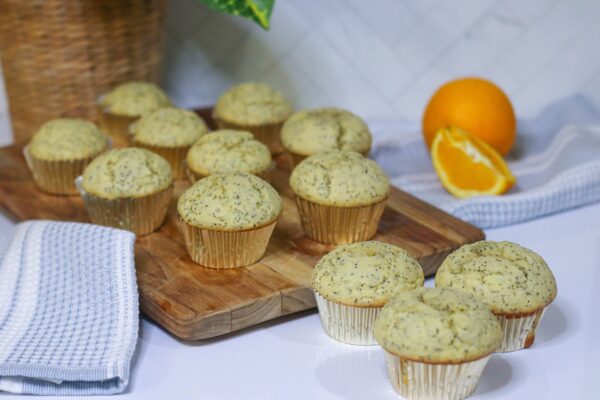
(228, 151)
(437, 325)
(340, 178)
(169, 127)
(230, 202)
(130, 172)
(252, 103)
(227, 219)
(67, 139)
(340, 196)
(169, 132)
(60, 150)
(513, 281)
(123, 105)
(254, 107)
(133, 99)
(128, 189)
(309, 132)
(354, 281)
(436, 341)
(366, 274)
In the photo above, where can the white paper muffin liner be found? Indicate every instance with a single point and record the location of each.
(339, 225)
(352, 325)
(416, 380)
(226, 249)
(141, 215)
(57, 177)
(519, 333)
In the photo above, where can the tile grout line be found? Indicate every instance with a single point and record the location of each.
(350, 64)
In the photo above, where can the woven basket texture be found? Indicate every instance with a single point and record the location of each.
(59, 56)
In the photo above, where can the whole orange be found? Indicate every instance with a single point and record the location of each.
(475, 105)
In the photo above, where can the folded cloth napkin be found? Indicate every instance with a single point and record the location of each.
(68, 309)
(556, 162)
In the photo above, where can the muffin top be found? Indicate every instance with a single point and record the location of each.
(509, 278)
(169, 127)
(227, 202)
(251, 104)
(227, 151)
(340, 178)
(366, 274)
(129, 172)
(313, 131)
(133, 99)
(438, 326)
(67, 139)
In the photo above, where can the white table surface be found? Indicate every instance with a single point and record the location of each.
(292, 358)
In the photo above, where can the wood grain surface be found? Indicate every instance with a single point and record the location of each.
(195, 303)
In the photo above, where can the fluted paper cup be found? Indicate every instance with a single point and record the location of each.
(266, 133)
(347, 324)
(56, 176)
(294, 158)
(416, 380)
(115, 126)
(140, 215)
(174, 155)
(339, 225)
(519, 331)
(194, 176)
(226, 249)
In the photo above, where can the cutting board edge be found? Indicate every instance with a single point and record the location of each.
(218, 323)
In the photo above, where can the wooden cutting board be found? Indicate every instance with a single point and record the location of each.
(195, 303)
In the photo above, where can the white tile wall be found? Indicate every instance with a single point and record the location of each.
(384, 58)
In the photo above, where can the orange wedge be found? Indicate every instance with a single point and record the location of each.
(467, 166)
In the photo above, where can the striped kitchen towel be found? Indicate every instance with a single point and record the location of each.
(556, 162)
(68, 309)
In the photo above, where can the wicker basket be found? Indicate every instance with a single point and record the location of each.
(58, 56)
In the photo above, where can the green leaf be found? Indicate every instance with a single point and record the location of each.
(258, 11)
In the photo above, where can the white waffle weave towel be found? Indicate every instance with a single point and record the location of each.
(68, 309)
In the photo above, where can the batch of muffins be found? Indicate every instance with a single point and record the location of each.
(489, 296)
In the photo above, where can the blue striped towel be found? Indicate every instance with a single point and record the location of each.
(556, 162)
(68, 309)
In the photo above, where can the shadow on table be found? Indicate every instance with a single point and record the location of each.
(368, 366)
(560, 322)
(496, 374)
(336, 373)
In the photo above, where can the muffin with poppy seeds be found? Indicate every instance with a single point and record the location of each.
(128, 189)
(124, 104)
(228, 151)
(340, 196)
(513, 281)
(256, 108)
(309, 132)
(59, 152)
(353, 282)
(437, 341)
(169, 132)
(227, 219)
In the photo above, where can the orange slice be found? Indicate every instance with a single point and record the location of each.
(467, 166)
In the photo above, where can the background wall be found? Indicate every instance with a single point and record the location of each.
(384, 58)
